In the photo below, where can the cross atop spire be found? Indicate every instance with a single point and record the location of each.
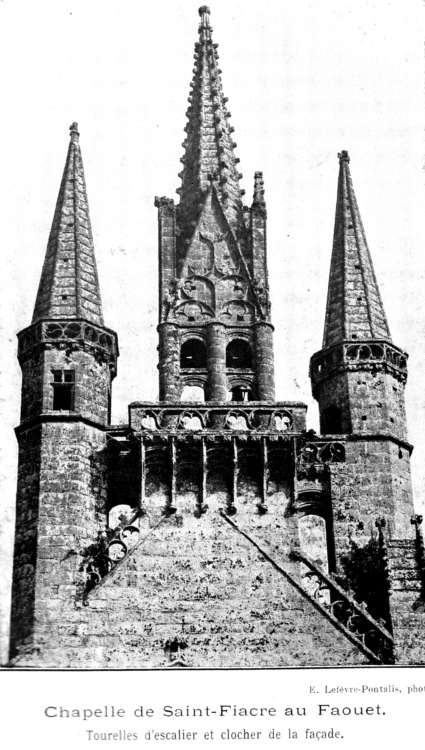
(69, 286)
(354, 307)
(209, 158)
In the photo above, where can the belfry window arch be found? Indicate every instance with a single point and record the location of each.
(239, 354)
(193, 354)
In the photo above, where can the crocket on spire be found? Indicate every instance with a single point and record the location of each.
(69, 286)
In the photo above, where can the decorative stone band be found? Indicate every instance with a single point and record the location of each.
(229, 417)
(66, 334)
(363, 355)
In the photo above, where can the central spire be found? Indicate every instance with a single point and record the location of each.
(209, 160)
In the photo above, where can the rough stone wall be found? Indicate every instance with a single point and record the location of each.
(34, 385)
(370, 402)
(407, 601)
(93, 369)
(61, 508)
(92, 383)
(372, 483)
(376, 403)
(198, 582)
(26, 536)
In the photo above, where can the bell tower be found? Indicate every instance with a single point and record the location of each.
(215, 332)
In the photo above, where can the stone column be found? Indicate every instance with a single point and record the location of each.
(202, 495)
(169, 362)
(216, 362)
(264, 361)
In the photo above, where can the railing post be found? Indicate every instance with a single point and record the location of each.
(262, 506)
(231, 508)
(380, 524)
(171, 506)
(416, 521)
(142, 459)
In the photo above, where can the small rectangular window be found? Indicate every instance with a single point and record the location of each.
(63, 390)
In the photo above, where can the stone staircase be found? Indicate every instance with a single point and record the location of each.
(229, 591)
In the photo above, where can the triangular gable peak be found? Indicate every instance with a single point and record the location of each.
(214, 281)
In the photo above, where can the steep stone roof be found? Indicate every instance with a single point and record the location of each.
(209, 146)
(69, 286)
(354, 306)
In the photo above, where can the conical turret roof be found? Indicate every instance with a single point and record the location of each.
(69, 286)
(354, 307)
(209, 147)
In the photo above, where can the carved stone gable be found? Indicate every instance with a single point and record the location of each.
(213, 281)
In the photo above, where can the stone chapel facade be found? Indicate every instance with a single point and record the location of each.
(214, 530)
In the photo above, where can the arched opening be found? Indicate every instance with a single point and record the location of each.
(193, 393)
(238, 354)
(241, 393)
(331, 421)
(193, 354)
(315, 528)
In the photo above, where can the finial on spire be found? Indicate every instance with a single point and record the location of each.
(74, 131)
(259, 203)
(258, 189)
(343, 156)
(204, 12)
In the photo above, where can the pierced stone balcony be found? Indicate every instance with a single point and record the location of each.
(370, 355)
(228, 418)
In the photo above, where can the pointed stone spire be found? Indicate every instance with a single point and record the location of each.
(209, 157)
(354, 307)
(69, 286)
